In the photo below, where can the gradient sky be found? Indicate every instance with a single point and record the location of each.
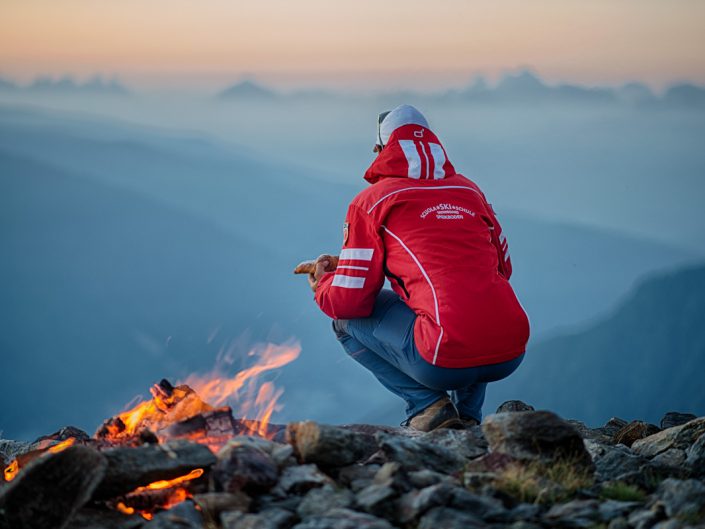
(358, 43)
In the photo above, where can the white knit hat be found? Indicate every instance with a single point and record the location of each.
(388, 122)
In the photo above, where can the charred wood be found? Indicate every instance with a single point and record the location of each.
(92, 518)
(329, 446)
(49, 491)
(129, 468)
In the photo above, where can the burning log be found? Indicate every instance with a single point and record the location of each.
(329, 446)
(169, 404)
(130, 468)
(217, 427)
(52, 488)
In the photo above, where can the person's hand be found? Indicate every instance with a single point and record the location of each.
(324, 263)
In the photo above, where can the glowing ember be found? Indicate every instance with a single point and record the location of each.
(63, 445)
(166, 483)
(11, 470)
(177, 493)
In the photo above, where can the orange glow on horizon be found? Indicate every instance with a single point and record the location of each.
(570, 39)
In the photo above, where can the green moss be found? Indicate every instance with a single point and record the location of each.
(543, 483)
(622, 492)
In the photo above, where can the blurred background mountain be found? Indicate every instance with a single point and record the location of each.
(142, 233)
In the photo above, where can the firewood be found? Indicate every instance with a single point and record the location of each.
(49, 491)
(329, 446)
(129, 468)
(308, 267)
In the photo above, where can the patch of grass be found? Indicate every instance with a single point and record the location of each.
(620, 491)
(691, 518)
(543, 483)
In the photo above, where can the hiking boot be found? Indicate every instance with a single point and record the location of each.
(469, 422)
(440, 414)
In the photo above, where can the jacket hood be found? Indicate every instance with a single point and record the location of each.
(412, 151)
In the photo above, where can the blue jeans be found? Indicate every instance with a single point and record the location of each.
(384, 344)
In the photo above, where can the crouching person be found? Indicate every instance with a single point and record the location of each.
(452, 322)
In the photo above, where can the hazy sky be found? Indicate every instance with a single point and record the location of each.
(423, 44)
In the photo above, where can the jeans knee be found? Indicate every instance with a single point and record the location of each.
(340, 328)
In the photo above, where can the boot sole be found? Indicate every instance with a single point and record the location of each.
(451, 424)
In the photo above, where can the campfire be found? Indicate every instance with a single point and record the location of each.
(199, 410)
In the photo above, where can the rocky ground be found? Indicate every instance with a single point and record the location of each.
(521, 469)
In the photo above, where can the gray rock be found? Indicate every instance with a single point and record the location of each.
(634, 431)
(682, 498)
(415, 503)
(477, 480)
(612, 426)
(673, 457)
(525, 511)
(246, 467)
(281, 454)
(668, 524)
(447, 518)
(9, 450)
(469, 443)
(91, 518)
(267, 519)
(301, 479)
(492, 462)
(514, 406)
(535, 435)
(329, 446)
(576, 513)
(645, 518)
(695, 457)
(321, 500)
(482, 506)
(343, 519)
(276, 501)
(212, 504)
(379, 500)
(420, 479)
(357, 477)
(677, 437)
(521, 524)
(612, 462)
(182, 516)
(612, 509)
(586, 432)
(416, 454)
(618, 523)
(674, 418)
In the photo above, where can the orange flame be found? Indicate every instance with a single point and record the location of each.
(11, 470)
(244, 392)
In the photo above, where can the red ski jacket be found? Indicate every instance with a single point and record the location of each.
(433, 234)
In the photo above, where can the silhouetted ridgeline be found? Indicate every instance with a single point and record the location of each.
(642, 360)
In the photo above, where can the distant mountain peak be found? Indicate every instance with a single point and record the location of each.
(247, 89)
(524, 81)
(67, 84)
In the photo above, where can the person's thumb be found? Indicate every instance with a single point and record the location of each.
(321, 267)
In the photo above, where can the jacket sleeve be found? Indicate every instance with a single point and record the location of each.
(351, 290)
(504, 265)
